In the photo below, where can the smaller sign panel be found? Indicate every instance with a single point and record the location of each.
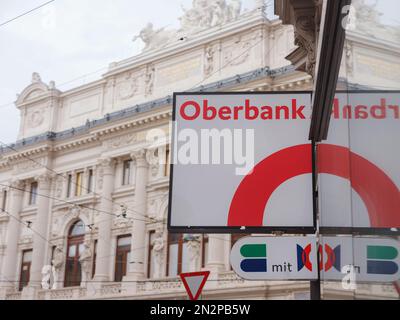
(194, 283)
(275, 258)
(367, 259)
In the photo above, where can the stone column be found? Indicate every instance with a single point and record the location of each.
(103, 257)
(13, 229)
(136, 265)
(40, 227)
(216, 252)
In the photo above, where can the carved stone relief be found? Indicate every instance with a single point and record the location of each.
(239, 52)
(209, 60)
(30, 165)
(152, 157)
(120, 141)
(35, 118)
(158, 253)
(305, 37)
(149, 80)
(128, 87)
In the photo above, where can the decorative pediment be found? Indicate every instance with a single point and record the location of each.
(32, 91)
(36, 89)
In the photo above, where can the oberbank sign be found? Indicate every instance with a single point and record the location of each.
(241, 160)
(244, 160)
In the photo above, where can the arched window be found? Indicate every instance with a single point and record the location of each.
(75, 248)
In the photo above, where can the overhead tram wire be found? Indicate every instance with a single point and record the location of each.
(27, 224)
(25, 13)
(11, 103)
(59, 174)
(70, 202)
(48, 241)
(91, 208)
(74, 182)
(125, 281)
(113, 201)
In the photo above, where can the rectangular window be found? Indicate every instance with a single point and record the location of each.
(25, 269)
(4, 201)
(90, 181)
(177, 256)
(173, 254)
(150, 256)
(167, 163)
(122, 257)
(69, 185)
(94, 258)
(204, 250)
(79, 186)
(33, 193)
(126, 173)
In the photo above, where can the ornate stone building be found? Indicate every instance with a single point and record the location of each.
(84, 190)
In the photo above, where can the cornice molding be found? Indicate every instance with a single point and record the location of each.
(117, 121)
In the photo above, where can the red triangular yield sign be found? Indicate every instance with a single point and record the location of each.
(194, 282)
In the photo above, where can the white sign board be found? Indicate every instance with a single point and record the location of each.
(359, 163)
(241, 160)
(360, 259)
(275, 258)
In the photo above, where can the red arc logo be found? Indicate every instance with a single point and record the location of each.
(380, 195)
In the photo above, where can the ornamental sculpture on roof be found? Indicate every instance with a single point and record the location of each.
(203, 14)
(366, 19)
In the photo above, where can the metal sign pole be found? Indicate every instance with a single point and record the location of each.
(315, 285)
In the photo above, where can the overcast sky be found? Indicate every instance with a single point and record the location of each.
(70, 38)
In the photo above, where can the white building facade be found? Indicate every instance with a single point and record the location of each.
(84, 190)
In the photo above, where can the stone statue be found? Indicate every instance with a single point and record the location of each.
(149, 80)
(189, 19)
(75, 211)
(52, 85)
(154, 38)
(209, 61)
(57, 263)
(193, 242)
(46, 277)
(365, 18)
(203, 14)
(220, 12)
(36, 77)
(85, 260)
(158, 246)
(349, 58)
(234, 9)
